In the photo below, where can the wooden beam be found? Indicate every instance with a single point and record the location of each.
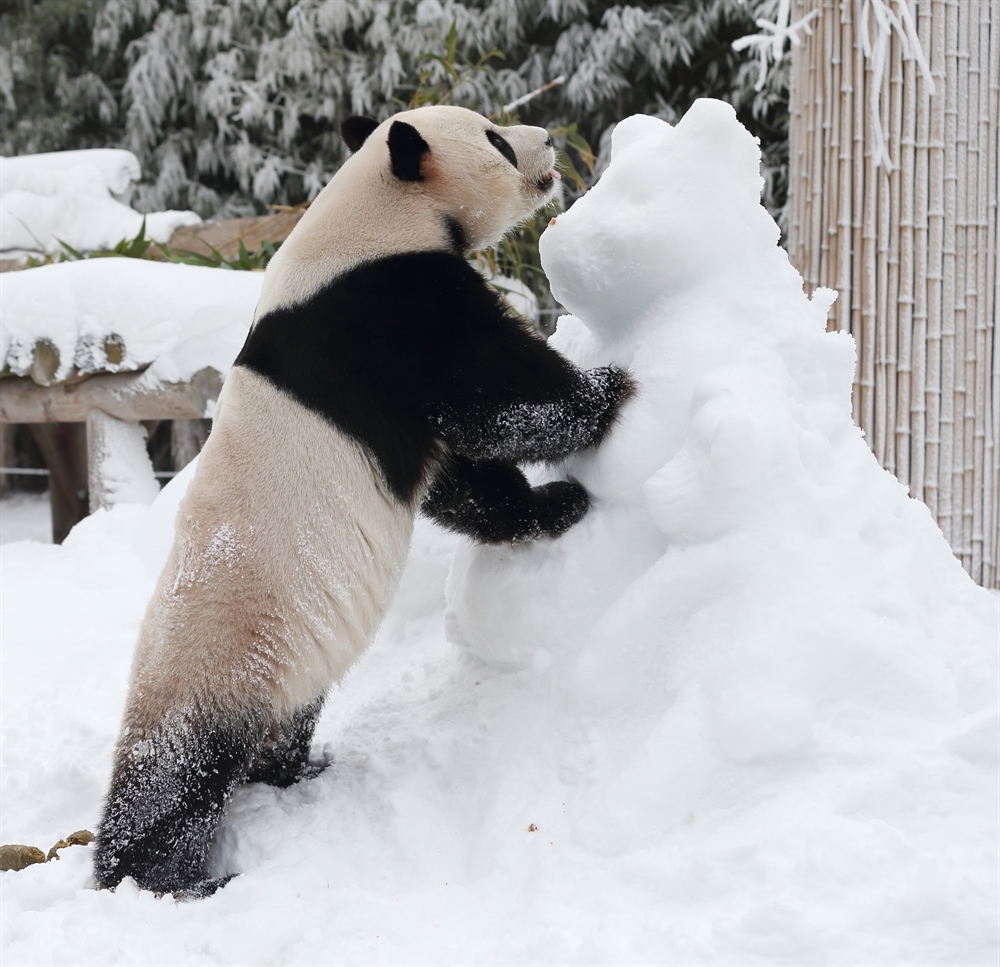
(126, 396)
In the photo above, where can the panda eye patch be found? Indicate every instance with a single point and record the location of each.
(503, 146)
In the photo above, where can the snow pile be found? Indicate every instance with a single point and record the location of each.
(743, 713)
(180, 318)
(76, 197)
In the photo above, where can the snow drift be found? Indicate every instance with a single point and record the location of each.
(743, 713)
(77, 197)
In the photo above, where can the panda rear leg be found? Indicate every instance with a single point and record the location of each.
(492, 502)
(171, 782)
(284, 757)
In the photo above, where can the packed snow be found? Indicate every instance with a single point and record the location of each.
(76, 197)
(179, 318)
(745, 712)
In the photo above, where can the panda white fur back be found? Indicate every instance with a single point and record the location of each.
(381, 375)
(367, 212)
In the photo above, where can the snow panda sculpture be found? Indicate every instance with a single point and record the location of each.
(381, 375)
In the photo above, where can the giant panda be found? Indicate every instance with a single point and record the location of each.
(381, 375)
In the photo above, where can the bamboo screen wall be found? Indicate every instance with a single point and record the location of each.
(912, 249)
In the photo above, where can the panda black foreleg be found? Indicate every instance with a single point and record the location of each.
(492, 502)
(523, 429)
(284, 756)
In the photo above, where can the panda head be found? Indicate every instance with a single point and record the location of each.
(480, 178)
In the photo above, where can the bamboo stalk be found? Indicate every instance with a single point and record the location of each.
(825, 145)
(867, 342)
(986, 118)
(888, 305)
(906, 274)
(816, 177)
(970, 288)
(857, 223)
(918, 405)
(992, 354)
(967, 144)
(949, 516)
(807, 169)
(795, 148)
(876, 299)
(961, 228)
(935, 244)
(845, 168)
(832, 183)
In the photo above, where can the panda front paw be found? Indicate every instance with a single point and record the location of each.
(615, 387)
(562, 504)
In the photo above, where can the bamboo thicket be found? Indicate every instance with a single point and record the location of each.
(893, 176)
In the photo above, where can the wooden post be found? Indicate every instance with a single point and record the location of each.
(63, 447)
(187, 437)
(118, 467)
(104, 462)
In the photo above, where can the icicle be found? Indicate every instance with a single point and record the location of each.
(886, 21)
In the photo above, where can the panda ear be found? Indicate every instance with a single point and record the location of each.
(355, 130)
(406, 149)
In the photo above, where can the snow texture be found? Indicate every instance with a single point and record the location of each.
(70, 196)
(179, 318)
(25, 517)
(743, 713)
(120, 469)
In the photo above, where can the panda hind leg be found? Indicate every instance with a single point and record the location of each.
(170, 785)
(284, 756)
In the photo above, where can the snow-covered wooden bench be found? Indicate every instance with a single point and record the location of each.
(114, 343)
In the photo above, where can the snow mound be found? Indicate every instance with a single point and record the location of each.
(71, 196)
(179, 318)
(744, 713)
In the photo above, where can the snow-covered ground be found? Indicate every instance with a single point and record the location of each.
(744, 713)
(25, 517)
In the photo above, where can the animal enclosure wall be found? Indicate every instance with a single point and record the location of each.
(893, 202)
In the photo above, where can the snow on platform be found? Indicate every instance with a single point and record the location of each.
(744, 713)
(118, 314)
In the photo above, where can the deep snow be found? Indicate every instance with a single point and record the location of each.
(744, 713)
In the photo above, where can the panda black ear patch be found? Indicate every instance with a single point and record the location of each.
(406, 149)
(355, 130)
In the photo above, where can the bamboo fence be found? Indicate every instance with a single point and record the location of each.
(910, 246)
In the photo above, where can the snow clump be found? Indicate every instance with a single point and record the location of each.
(76, 197)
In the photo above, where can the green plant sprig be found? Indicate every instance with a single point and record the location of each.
(244, 261)
(139, 245)
(457, 68)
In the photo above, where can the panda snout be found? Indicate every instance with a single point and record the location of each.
(546, 181)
